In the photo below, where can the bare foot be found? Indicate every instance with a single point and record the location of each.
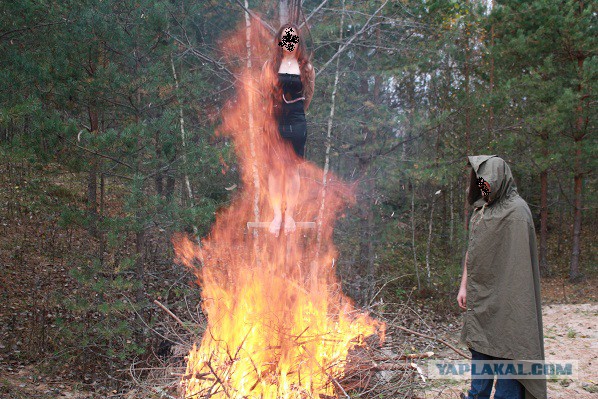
(275, 225)
(289, 224)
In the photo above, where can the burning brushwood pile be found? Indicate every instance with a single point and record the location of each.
(278, 324)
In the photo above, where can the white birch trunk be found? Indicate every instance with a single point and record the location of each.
(256, 178)
(183, 139)
(184, 145)
(283, 11)
(327, 158)
(429, 243)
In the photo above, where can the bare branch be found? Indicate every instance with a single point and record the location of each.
(344, 47)
(118, 161)
(164, 308)
(253, 15)
(459, 352)
(311, 14)
(200, 55)
(32, 28)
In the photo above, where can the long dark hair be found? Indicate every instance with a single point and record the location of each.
(303, 57)
(474, 193)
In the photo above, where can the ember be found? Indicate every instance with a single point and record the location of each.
(278, 323)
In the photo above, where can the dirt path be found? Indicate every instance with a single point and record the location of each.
(570, 332)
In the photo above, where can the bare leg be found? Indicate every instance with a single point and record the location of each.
(293, 184)
(275, 197)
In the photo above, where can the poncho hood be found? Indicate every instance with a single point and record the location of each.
(497, 173)
(504, 313)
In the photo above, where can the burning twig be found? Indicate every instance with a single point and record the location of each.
(330, 377)
(218, 379)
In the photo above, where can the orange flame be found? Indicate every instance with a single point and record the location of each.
(278, 323)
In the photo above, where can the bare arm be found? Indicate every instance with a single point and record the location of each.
(310, 85)
(462, 296)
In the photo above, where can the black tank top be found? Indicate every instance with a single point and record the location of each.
(292, 88)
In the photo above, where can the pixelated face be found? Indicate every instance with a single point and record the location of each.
(289, 40)
(484, 186)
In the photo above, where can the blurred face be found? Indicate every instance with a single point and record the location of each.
(289, 40)
(484, 187)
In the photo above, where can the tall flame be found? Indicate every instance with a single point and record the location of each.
(278, 323)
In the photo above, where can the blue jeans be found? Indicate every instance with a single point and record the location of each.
(481, 388)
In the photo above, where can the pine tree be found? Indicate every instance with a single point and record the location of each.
(544, 50)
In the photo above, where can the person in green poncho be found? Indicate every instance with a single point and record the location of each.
(500, 286)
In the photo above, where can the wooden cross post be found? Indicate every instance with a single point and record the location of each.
(265, 225)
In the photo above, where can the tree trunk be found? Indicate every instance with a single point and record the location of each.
(410, 83)
(94, 127)
(183, 138)
(544, 267)
(320, 219)
(491, 108)
(92, 177)
(429, 245)
(170, 183)
(467, 118)
(452, 222)
(289, 11)
(559, 223)
(413, 237)
(158, 178)
(371, 265)
(184, 149)
(574, 272)
(102, 234)
(283, 12)
(252, 134)
(139, 260)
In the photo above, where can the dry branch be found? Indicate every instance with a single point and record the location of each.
(344, 46)
(434, 339)
(164, 308)
(255, 16)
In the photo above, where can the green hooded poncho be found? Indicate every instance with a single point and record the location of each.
(504, 314)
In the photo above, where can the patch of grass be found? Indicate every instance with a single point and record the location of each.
(591, 388)
(553, 380)
(61, 192)
(438, 383)
(571, 333)
(565, 382)
(549, 333)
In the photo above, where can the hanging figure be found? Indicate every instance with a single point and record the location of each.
(293, 79)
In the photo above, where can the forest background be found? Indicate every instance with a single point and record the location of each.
(108, 113)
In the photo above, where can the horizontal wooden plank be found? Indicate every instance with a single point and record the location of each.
(265, 225)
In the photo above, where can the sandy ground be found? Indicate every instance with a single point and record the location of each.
(570, 332)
